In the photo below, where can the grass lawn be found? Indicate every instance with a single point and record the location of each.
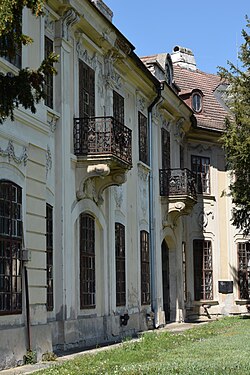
(218, 348)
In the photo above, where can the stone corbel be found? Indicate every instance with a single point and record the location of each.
(99, 177)
(69, 18)
(177, 209)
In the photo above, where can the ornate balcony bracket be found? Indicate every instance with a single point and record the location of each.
(98, 178)
(177, 207)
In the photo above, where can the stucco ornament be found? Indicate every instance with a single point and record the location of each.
(10, 154)
(48, 160)
(49, 22)
(111, 77)
(179, 133)
(118, 194)
(69, 18)
(143, 186)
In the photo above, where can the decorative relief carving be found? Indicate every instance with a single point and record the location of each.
(143, 174)
(10, 154)
(123, 46)
(51, 121)
(49, 22)
(179, 131)
(141, 102)
(69, 18)
(48, 160)
(203, 218)
(200, 148)
(118, 194)
(110, 75)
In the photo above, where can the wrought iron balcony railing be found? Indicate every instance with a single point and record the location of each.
(175, 182)
(99, 136)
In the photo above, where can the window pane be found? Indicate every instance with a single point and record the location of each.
(49, 256)
(203, 270)
(145, 268)
(87, 261)
(200, 166)
(48, 45)
(120, 264)
(143, 138)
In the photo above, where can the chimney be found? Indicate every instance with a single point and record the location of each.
(183, 57)
(104, 9)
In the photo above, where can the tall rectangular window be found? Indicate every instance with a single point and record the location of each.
(49, 86)
(244, 269)
(145, 268)
(143, 138)
(10, 248)
(87, 262)
(49, 256)
(120, 262)
(200, 166)
(9, 49)
(203, 270)
(86, 90)
(165, 148)
(118, 107)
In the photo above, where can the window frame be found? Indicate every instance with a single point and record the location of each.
(202, 177)
(11, 241)
(197, 107)
(49, 78)
(118, 107)
(143, 137)
(49, 257)
(87, 262)
(145, 268)
(203, 270)
(120, 264)
(86, 90)
(243, 255)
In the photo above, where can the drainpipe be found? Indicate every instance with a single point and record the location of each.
(151, 205)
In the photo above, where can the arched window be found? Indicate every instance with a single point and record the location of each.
(196, 102)
(10, 248)
(87, 261)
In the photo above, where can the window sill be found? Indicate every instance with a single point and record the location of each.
(206, 302)
(242, 301)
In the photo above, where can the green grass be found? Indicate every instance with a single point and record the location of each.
(218, 348)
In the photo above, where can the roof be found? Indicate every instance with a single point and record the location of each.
(214, 110)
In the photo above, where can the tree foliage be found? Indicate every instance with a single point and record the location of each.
(27, 87)
(236, 139)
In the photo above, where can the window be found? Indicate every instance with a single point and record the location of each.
(197, 102)
(143, 138)
(10, 248)
(165, 146)
(48, 49)
(203, 270)
(86, 90)
(49, 256)
(118, 107)
(120, 264)
(244, 270)
(145, 268)
(200, 166)
(184, 271)
(10, 50)
(87, 262)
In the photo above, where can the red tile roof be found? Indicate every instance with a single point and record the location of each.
(214, 111)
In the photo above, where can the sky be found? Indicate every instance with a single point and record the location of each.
(210, 28)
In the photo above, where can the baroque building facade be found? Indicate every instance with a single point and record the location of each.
(111, 214)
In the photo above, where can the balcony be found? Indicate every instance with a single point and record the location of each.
(103, 139)
(103, 147)
(179, 186)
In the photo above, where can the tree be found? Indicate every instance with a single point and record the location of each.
(236, 139)
(27, 87)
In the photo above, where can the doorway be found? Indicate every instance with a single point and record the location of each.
(165, 280)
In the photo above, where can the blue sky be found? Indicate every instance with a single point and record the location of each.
(211, 29)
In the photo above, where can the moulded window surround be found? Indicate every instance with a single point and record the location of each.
(49, 256)
(197, 102)
(145, 268)
(203, 270)
(120, 261)
(200, 166)
(87, 262)
(244, 269)
(10, 248)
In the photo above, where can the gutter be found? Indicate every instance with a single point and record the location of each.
(151, 205)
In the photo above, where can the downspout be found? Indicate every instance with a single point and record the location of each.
(151, 206)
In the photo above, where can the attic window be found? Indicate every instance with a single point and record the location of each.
(197, 102)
